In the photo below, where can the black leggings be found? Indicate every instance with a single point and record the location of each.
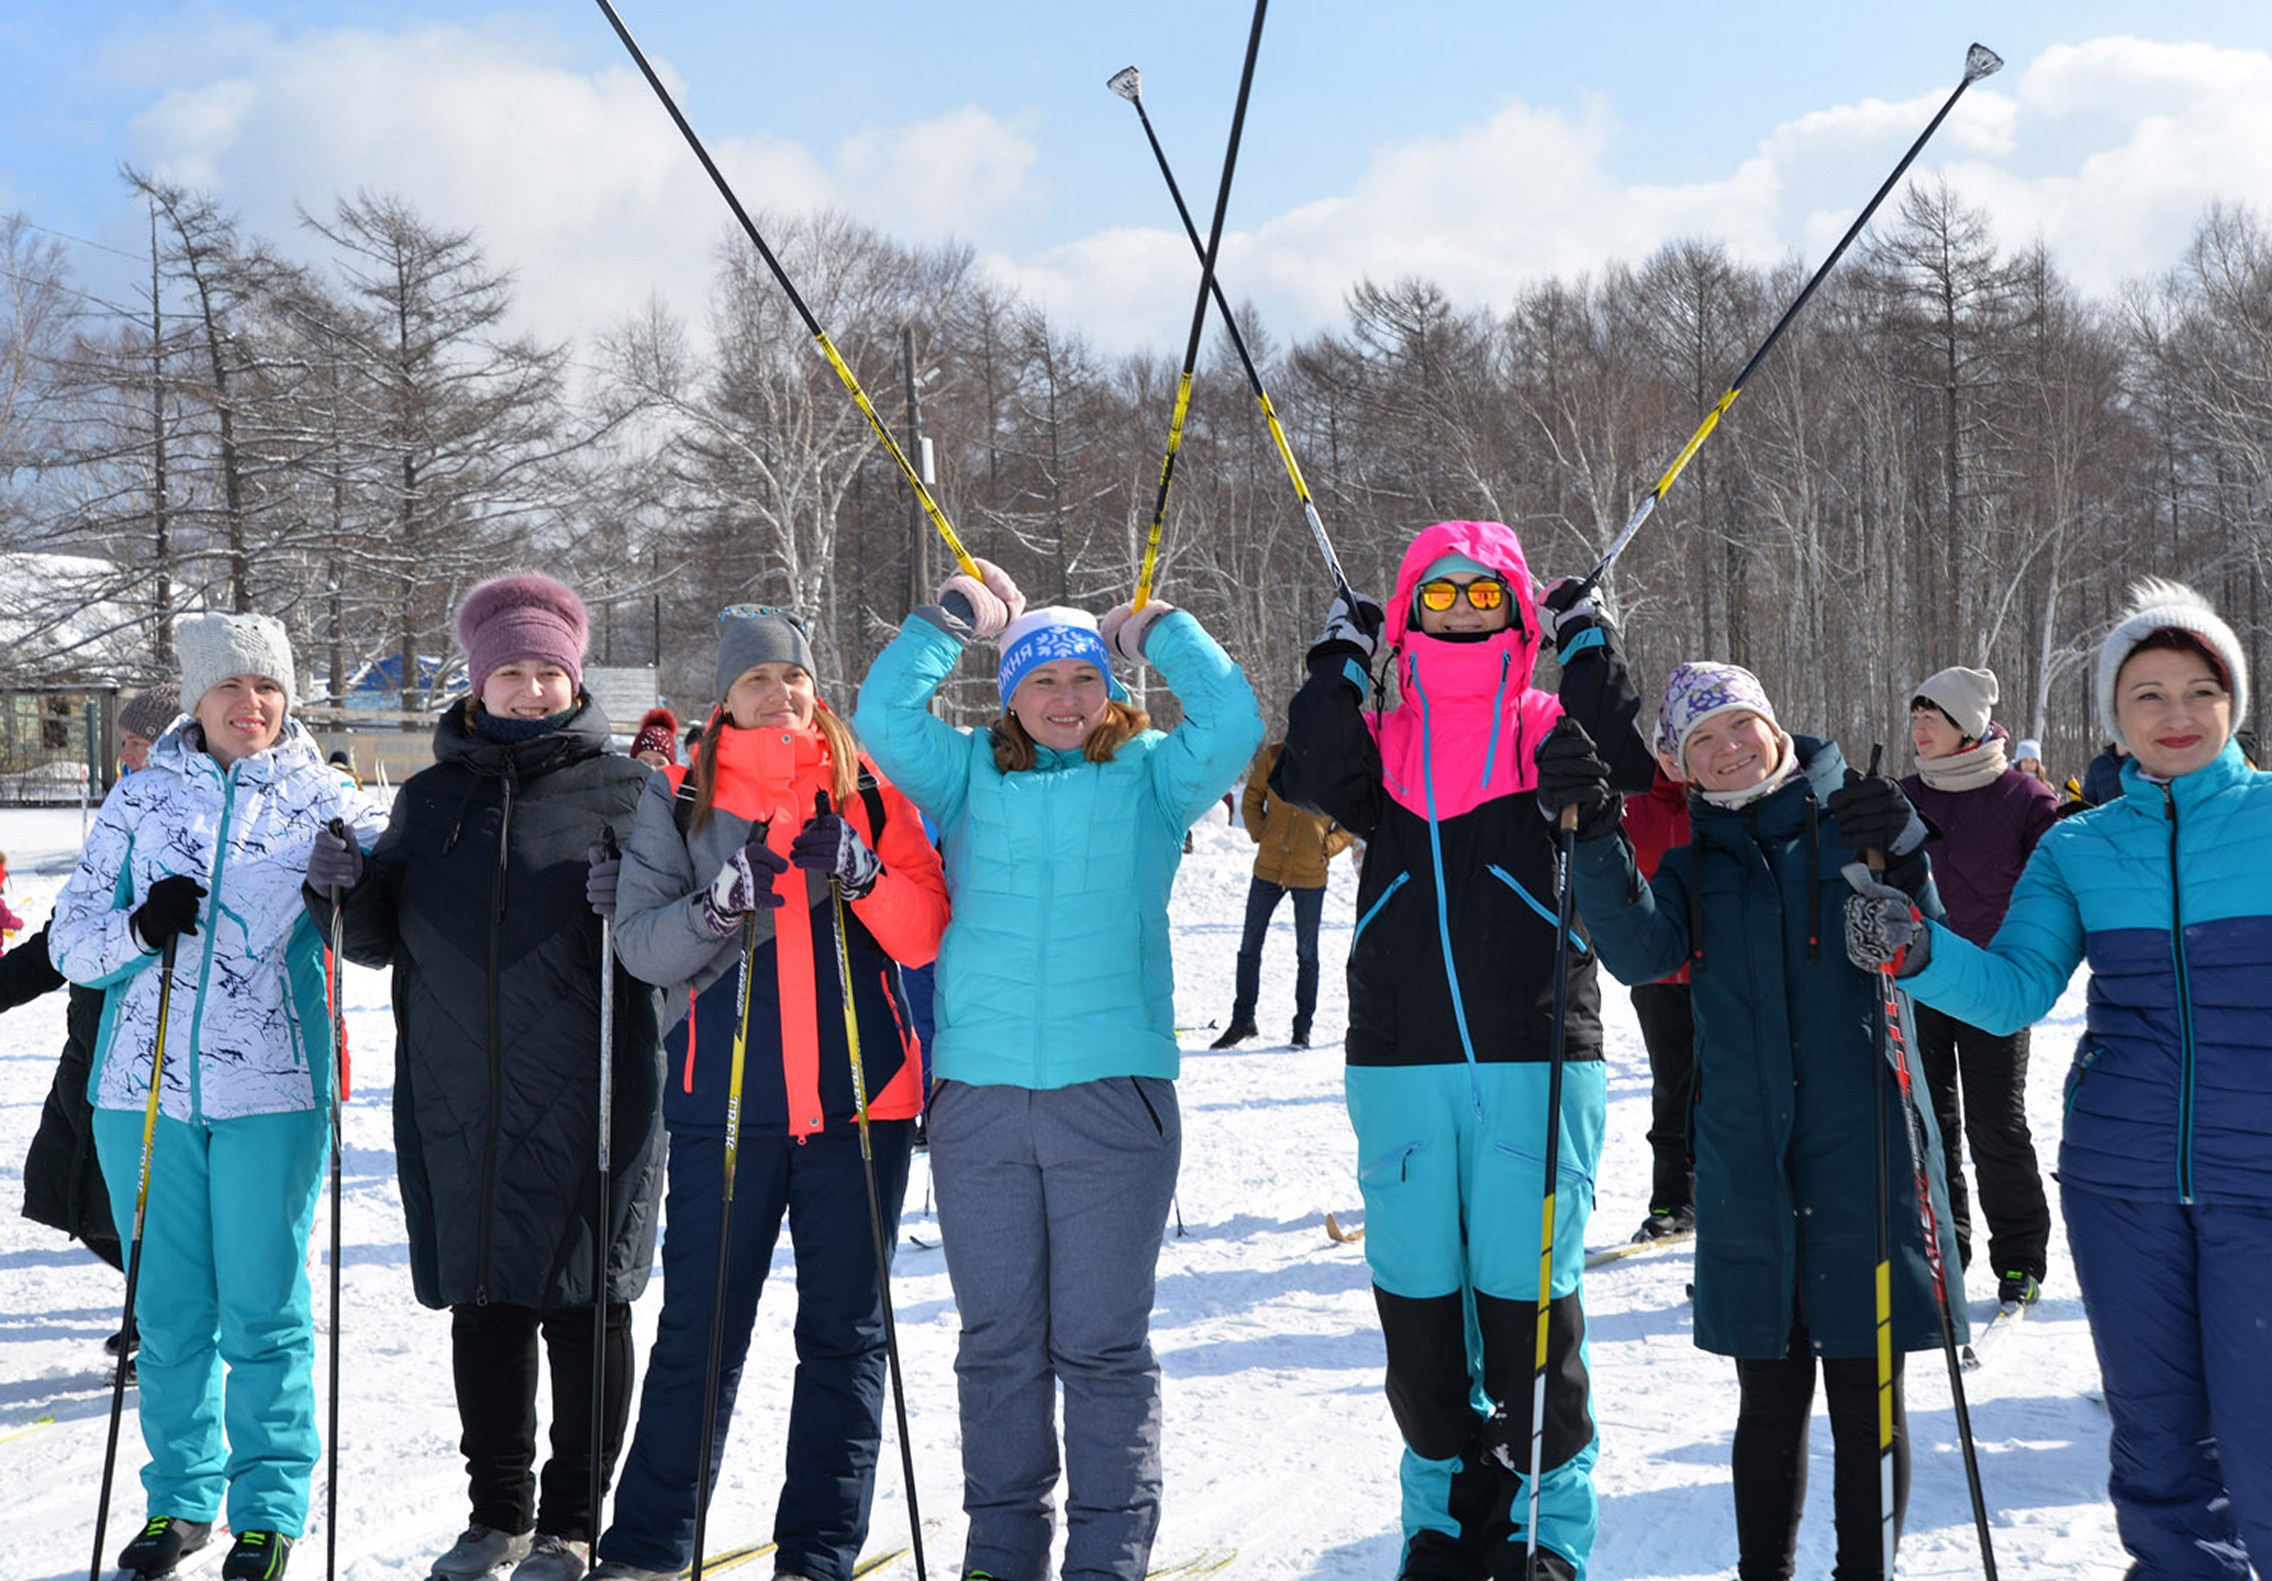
(495, 1354)
(1770, 1461)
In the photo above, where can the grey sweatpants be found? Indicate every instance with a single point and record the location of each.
(1051, 1203)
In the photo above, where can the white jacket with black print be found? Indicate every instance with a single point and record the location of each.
(248, 1032)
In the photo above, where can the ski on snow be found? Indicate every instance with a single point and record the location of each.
(1602, 1256)
(2009, 1316)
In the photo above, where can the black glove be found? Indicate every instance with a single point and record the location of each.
(832, 848)
(1355, 625)
(171, 909)
(602, 870)
(1572, 774)
(1873, 815)
(1568, 618)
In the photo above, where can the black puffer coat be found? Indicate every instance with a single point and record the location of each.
(63, 1184)
(475, 895)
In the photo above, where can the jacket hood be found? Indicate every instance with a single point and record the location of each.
(1487, 543)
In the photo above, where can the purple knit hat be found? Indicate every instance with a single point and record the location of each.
(1698, 690)
(526, 615)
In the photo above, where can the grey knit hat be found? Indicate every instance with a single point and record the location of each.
(754, 634)
(1966, 696)
(212, 648)
(149, 711)
(2156, 605)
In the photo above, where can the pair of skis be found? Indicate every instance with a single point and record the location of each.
(1596, 1258)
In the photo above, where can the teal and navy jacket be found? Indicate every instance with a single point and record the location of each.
(2167, 891)
(1055, 966)
(1787, 1047)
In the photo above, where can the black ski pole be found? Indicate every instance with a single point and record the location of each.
(1151, 563)
(1893, 1026)
(339, 831)
(1129, 84)
(1565, 907)
(126, 1329)
(725, 1235)
(1979, 61)
(600, 1220)
(875, 1200)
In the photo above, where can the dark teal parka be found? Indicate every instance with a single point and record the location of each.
(1786, 1048)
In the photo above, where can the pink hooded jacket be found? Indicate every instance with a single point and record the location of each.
(1470, 719)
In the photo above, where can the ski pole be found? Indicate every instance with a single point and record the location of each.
(875, 1198)
(1979, 61)
(600, 1221)
(1198, 316)
(1565, 906)
(126, 1328)
(1882, 1276)
(1895, 1043)
(725, 1233)
(781, 277)
(339, 831)
(1129, 84)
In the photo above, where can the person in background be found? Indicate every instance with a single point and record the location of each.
(10, 923)
(143, 718)
(2027, 758)
(475, 900)
(2165, 1157)
(1294, 847)
(1055, 1132)
(1986, 819)
(206, 847)
(1794, 1097)
(1654, 824)
(2102, 780)
(656, 741)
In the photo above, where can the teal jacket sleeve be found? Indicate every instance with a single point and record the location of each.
(2019, 976)
(1222, 722)
(927, 758)
(1639, 931)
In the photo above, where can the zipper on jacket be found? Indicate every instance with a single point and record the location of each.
(496, 1030)
(1374, 909)
(212, 921)
(1535, 904)
(1499, 697)
(2184, 1012)
(1443, 901)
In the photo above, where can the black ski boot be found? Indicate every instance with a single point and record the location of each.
(161, 1545)
(1235, 1034)
(257, 1556)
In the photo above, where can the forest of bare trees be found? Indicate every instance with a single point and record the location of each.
(1951, 458)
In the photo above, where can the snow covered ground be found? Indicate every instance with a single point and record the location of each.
(1280, 1445)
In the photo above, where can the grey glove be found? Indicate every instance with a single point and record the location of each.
(1568, 617)
(600, 879)
(335, 863)
(1357, 624)
(1884, 929)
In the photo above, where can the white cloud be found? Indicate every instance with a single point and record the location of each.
(2109, 150)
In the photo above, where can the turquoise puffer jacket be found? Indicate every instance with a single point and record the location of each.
(1055, 966)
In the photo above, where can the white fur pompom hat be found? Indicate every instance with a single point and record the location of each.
(2156, 605)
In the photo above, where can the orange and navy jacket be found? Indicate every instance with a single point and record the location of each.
(797, 1062)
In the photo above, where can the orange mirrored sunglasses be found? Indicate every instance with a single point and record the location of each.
(1485, 593)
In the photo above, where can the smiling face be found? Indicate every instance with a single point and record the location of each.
(1060, 702)
(776, 695)
(527, 689)
(2173, 709)
(1732, 751)
(240, 716)
(1933, 733)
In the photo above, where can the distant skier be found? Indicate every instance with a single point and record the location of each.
(207, 846)
(1986, 818)
(475, 897)
(1055, 1136)
(2163, 1173)
(729, 849)
(1451, 1000)
(1294, 849)
(1784, 1118)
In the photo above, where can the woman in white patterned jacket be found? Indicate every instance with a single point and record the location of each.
(207, 847)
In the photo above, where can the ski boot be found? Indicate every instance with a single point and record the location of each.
(257, 1556)
(553, 1558)
(159, 1548)
(1664, 1223)
(480, 1550)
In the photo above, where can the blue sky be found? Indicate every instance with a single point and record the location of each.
(1480, 144)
